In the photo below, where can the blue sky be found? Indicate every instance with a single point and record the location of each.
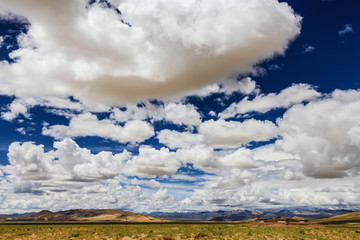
(179, 105)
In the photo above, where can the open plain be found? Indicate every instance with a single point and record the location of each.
(168, 231)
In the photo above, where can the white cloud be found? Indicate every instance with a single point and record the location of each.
(56, 105)
(323, 134)
(275, 67)
(132, 112)
(232, 134)
(88, 52)
(297, 93)
(161, 195)
(271, 152)
(149, 183)
(68, 163)
(289, 175)
(241, 158)
(18, 107)
(237, 179)
(181, 114)
(202, 156)
(308, 49)
(69, 177)
(177, 113)
(88, 124)
(228, 86)
(347, 28)
(174, 139)
(151, 162)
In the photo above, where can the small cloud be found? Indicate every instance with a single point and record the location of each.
(308, 49)
(347, 28)
(212, 113)
(21, 130)
(275, 67)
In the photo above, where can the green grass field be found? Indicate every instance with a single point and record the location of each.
(177, 231)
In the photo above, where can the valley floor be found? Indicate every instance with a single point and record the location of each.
(178, 231)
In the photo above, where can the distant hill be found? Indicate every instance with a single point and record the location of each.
(93, 215)
(353, 217)
(237, 215)
(83, 215)
(217, 219)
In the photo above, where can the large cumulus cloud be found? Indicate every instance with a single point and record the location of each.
(67, 163)
(154, 49)
(325, 135)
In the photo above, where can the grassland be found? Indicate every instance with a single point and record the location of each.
(168, 231)
(353, 217)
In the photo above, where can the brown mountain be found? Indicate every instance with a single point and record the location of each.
(83, 215)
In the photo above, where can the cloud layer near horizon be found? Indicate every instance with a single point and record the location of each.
(316, 138)
(151, 50)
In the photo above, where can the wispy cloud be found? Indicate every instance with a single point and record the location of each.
(347, 28)
(308, 49)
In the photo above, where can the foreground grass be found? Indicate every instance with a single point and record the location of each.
(176, 231)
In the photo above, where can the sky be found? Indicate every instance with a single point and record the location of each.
(179, 105)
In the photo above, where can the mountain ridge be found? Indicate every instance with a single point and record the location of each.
(83, 215)
(127, 216)
(236, 215)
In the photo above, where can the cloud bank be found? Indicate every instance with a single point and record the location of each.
(155, 49)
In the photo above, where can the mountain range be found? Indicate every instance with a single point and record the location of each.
(236, 215)
(98, 215)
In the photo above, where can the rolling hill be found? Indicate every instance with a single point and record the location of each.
(353, 217)
(83, 215)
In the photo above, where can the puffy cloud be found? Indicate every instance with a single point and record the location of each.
(181, 114)
(68, 163)
(56, 183)
(162, 195)
(228, 86)
(154, 49)
(297, 93)
(241, 158)
(237, 179)
(105, 194)
(272, 153)
(149, 183)
(324, 134)
(232, 134)
(245, 86)
(29, 161)
(177, 113)
(175, 139)
(88, 124)
(16, 108)
(289, 175)
(202, 156)
(347, 28)
(132, 112)
(266, 193)
(151, 162)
